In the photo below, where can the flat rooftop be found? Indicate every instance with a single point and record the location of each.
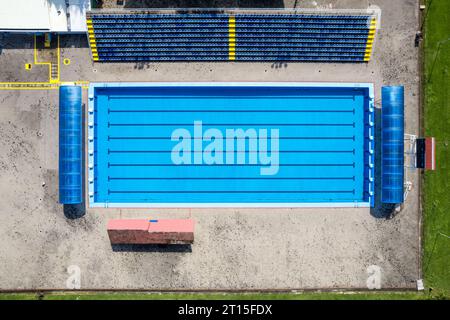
(43, 15)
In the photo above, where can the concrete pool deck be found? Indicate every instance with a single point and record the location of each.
(301, 248)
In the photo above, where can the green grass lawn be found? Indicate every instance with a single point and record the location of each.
(436, 260)
(217, 296)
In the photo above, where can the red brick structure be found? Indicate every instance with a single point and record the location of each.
(143, 231)
(430, 150)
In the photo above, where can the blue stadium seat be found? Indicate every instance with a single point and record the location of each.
(206, 37)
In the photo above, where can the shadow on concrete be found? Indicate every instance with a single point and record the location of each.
(73, 41)
(383, 210)
(279, 65)
(74, 211)
(204, 4)
(26, 41)
(182, 248)
(380, 210)
(16, 41)
(141, 65)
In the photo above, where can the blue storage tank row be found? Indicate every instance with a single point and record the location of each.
(70, 145)
(392, 141)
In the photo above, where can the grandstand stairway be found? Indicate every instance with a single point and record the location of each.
(230, 37)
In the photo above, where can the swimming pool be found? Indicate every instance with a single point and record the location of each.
(230, 144)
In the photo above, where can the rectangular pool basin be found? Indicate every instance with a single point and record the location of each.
(230, 144)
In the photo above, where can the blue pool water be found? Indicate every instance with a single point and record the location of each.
(230, 144)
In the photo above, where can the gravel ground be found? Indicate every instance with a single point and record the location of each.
(234, 248)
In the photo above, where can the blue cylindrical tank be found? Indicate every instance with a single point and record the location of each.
(70, 145)
(392, 144)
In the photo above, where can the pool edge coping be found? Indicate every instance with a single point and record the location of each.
(352, 204)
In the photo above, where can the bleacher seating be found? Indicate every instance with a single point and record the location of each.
(225, 37)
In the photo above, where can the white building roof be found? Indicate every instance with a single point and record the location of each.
(77, 15)
(43, 15)
(57, 13)
(24, 15)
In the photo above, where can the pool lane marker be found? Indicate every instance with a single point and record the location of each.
(232, 38)
(370, 38)
(92, 41)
